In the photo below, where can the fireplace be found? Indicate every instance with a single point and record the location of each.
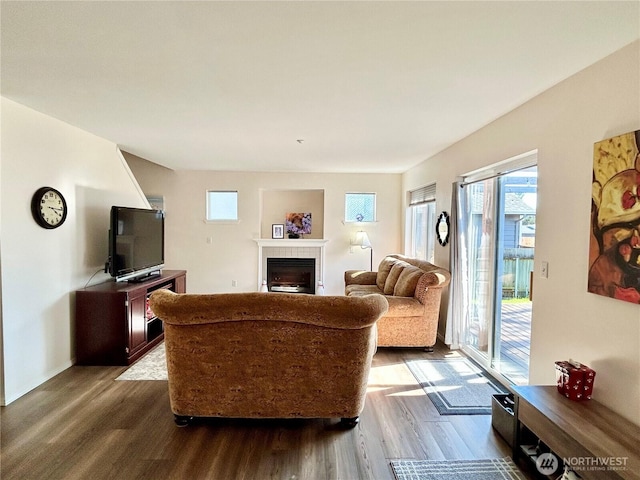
(302, 248)
(292, 275)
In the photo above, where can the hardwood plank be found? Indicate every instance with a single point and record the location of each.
(83, 424)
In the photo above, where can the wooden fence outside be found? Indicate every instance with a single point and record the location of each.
(516, 272)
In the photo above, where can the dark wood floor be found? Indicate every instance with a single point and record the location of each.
(84, 425)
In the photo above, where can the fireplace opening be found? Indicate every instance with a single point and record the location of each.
(292, 275)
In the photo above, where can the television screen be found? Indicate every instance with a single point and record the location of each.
(136, 242)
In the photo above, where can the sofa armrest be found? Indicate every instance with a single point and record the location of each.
(436, 279)
(360, 277)
(430, 286)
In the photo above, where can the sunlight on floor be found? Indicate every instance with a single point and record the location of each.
(442, 388)
(478, 380)
(392, 374)
(392, 379)
(419, 392)
(454, 354)
(377, 388)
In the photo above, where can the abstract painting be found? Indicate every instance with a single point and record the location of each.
(614, 249)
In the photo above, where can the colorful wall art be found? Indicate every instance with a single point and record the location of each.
(298, 224)
(614, 253)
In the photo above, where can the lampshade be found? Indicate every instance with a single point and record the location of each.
(362, 239)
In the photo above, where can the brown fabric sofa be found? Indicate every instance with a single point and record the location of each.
(413, 289)
(268, 355)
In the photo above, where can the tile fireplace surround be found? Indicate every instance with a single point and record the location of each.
(290, 248)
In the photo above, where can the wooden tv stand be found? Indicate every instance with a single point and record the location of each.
(114, 325)
(586, 431)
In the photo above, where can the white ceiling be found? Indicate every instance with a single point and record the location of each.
(367, 86)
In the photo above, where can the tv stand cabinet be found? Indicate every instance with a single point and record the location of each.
(114, 325)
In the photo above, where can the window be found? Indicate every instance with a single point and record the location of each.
(422, 212)
(360, 207)
(222, 205)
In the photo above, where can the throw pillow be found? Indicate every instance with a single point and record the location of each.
(407, 282)
(383, 271)
(393, 276)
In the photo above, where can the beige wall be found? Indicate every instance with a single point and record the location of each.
(232, 253)
(563, 123)
(275, 204)
(41, 268)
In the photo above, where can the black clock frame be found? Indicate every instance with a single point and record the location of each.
(35, 207)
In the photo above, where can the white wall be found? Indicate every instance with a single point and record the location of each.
(233, 254)
(41, 268)
(563, 124)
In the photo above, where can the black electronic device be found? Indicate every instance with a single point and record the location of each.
(136, 243)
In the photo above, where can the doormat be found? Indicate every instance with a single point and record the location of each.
(456, 386)
(152, 366)
(486, 469)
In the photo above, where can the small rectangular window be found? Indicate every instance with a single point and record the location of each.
(222, 205)
(360, 207)
(422, 236)
(422, 206)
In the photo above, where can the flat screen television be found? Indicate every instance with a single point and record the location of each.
(136, 243)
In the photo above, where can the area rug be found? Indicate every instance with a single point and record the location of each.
(456, 386)
(489, 469)
(152, 366)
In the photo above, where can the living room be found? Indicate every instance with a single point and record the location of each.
(561, 123)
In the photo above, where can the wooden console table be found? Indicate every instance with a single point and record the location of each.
(571, 429)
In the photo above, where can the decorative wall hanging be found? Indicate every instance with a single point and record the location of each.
(614, 253)
(298, 224)
(442, 228)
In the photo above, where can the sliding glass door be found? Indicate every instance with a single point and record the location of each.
(500, 243)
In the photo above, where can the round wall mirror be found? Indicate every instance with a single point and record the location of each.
(442, 228)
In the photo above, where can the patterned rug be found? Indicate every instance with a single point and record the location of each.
(456, 386)
(152, 366)
(489, 469)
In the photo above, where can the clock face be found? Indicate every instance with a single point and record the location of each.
(49, 207)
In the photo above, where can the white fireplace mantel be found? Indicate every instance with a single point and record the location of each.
(291, 242)
(289, 247)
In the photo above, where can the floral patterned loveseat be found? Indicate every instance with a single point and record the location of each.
(413, 289)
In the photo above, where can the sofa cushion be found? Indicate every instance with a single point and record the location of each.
(361, 290)
(383, 271)
(394, 274)
(407, 281)
(404, 307)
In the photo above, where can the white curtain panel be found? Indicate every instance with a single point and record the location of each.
(458, 311)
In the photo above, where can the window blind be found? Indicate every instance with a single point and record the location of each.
(422, 195)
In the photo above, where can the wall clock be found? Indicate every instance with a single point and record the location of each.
(442, 228)
(48, 207)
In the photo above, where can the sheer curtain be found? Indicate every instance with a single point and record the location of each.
(458, 311)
